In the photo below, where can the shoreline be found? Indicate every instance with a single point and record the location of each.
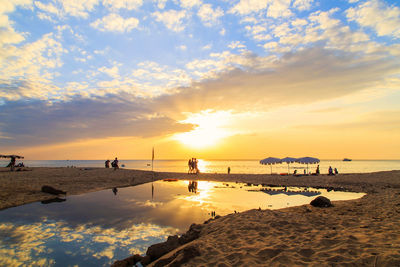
(23, 187)
(362, 232)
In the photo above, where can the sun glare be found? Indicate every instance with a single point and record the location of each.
(208, 131)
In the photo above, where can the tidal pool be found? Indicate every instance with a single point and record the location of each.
(95, 229)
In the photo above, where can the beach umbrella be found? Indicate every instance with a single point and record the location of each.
(288, 160)
(307, 160)
(270, 161)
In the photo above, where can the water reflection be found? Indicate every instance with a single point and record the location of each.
(97, 228)
(53, 200)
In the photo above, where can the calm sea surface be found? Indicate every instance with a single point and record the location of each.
(220, 166)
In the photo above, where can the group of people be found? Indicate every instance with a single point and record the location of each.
(317, 171)
(12, 164)
(332, 171)
(114, 164)
(192, 187)
(192, 163)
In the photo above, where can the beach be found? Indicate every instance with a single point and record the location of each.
(362, 232)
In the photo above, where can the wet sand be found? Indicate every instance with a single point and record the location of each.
(362, 232)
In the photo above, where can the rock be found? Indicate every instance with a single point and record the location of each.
(157, 250)
(52, 190)
(180, 257)
(192, 234)
(125, 262)
(321, 202)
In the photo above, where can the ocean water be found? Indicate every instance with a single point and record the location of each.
(221, 166)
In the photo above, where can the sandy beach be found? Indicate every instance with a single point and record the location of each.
(362, 232)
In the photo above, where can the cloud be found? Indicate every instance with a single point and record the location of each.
(302, 4)
(242, 83)
(303, 77)
(279, 8)
(38, 122)
(172, 19)
(78, 8)
(190, 3)
(35, 62)
(383, 19)
(126, 4)
(208, 15)
(249, 6)
(115, 23)
(161, 3)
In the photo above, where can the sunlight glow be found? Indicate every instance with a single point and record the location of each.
(209, 129)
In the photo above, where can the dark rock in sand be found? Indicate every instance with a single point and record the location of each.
(52, 190)
(180, 257)
(192, 234)
(157, 250)
(321, 202)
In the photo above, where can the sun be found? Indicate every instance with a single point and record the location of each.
(209, 131)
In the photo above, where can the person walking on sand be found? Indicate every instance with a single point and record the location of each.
(317, 170)
(330, 171)
(229, 170)
(107, 163)
(115, 164)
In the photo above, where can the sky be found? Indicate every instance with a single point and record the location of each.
(240, 79)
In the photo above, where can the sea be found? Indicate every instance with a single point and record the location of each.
(221, 166)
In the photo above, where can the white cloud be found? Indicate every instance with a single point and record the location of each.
(172, 19)
(190, 3)
(324, 19)
(161, 3)
(8, 35)
(182, 47)
(115, 23)
(384, 19)
(208, 15)
(248, 6)
(222, 31)
(35, 62)
(302, 4)
(126, 4)
(279, 8)
(236, 44)
(49, 8)
(79, 8)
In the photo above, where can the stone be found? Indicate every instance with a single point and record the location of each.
(180, 257)
(192, 234)
(157, 250)
(321, 202)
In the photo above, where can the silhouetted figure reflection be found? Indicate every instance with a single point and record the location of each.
(115, 190)
(192, 187)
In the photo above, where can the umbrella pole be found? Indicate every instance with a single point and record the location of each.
(271, 167)
(288, 172)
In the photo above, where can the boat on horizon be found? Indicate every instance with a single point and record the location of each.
(346, 159)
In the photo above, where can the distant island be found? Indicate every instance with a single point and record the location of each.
(346, 159)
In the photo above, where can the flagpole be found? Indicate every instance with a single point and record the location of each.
(152, 162)
(152, 172)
